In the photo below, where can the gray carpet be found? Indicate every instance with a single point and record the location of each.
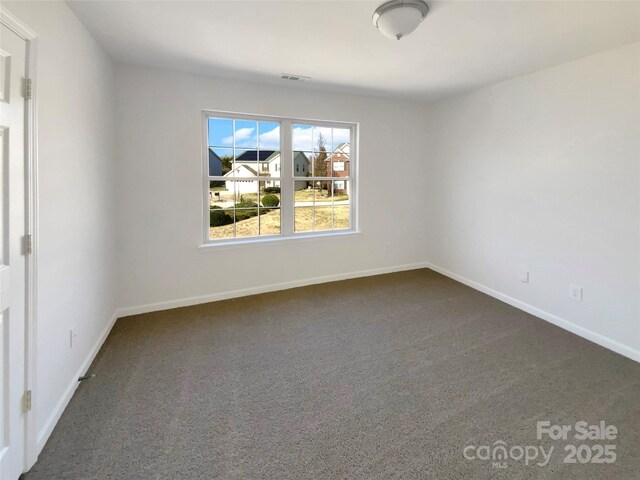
(385, 377)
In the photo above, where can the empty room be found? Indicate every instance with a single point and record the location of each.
(304, 239)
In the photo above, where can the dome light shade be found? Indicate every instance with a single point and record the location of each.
(398, 18)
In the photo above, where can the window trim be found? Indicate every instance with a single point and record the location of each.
(286, 178)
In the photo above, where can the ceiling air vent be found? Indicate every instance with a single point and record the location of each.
(295, 78)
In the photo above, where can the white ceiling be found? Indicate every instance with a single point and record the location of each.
(460, 46)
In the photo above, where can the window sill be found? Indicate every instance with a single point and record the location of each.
(276, 240)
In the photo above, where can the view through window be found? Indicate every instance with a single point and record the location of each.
(321, 157)
(255, 189)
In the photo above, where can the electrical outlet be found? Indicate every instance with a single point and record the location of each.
(72, 336)
(575, 292)
(523, 276)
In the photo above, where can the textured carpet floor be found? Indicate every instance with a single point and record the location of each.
(385, 377)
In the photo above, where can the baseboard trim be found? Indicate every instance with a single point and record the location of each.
(52, 421)
(590, 335)
(273, 287)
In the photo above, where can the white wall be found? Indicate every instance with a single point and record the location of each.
(160, 188)
(75, 241)
(538, 173)
(542, 173)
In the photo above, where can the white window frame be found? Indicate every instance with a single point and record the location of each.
(286, 179)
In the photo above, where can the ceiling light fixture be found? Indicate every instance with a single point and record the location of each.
(398, 18)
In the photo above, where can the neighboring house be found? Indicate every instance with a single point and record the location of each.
(338, 166)
(258, 157)
(242, 186)
(215, 164)
(265, 163)
(301, 166)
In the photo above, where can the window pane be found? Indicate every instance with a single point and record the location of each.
(246, 193)
(254, 163)
(302, 138)
(269, 136)
(321, 190)
(301, 164)
(341, 203)
(341, 137)
(341, 216)
(341, 190)
(320, 164)
(220, 132)
(323, 218)
(303, 219)
(301, 192)
(246, 212)
(268, 163)
(245, 163)
(311, 195)
(308, 193)
(246, 135)
(322, 196)
(338, 164)
(321, 139)
(221, 194)
(247, 222)
(220, 161)
(269, 221)
(221, 223)
(269, 194)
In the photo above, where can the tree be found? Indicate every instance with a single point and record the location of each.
(320, 169)
(227, 162)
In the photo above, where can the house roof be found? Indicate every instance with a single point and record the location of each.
(237, 167)
(215, 155)
(342, 149)
(257, 156)
(264, 155)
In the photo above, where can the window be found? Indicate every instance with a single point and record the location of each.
(276, 177)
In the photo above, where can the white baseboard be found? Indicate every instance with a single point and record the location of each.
(43, 435)
(272, 287)
(590, 335)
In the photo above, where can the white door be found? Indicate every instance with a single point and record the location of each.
(12, 254)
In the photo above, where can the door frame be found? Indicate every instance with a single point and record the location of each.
(31, 211)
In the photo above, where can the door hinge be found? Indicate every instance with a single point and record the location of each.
(27, 401)
(28, 244)
(28, 88)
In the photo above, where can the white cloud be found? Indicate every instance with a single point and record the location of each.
(241, 134)
(304, 138)
(341, 135)
(270, 140)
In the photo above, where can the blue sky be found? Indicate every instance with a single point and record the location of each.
(266, 135)
(248, 134)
